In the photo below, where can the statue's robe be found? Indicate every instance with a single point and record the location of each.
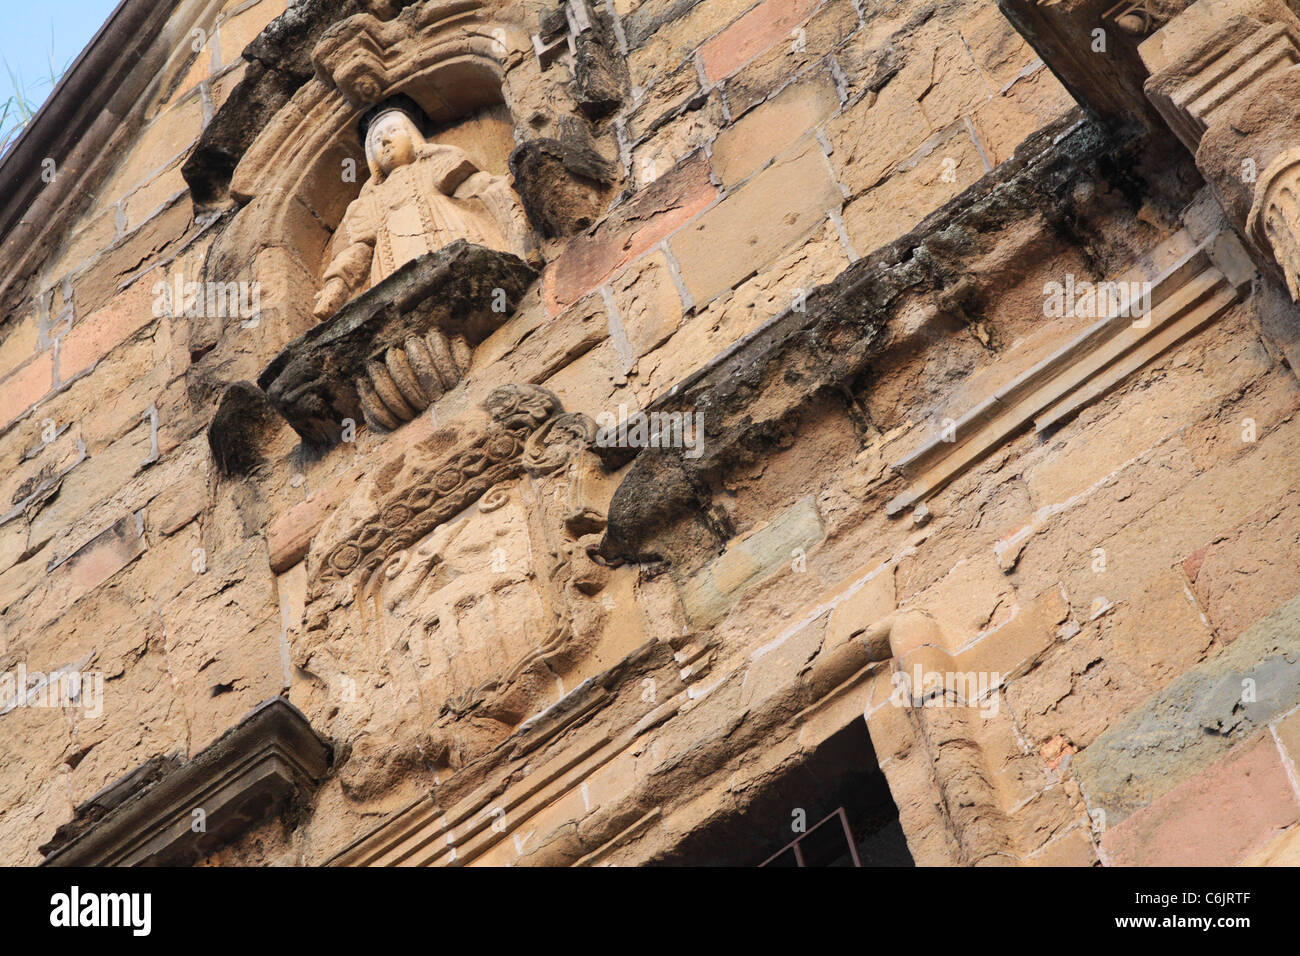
(421, 207)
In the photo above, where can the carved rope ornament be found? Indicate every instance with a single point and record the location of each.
(528, 430)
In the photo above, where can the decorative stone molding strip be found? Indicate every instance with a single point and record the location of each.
(257, 768)
(427, 834)
(1185, 297)
(391, 352)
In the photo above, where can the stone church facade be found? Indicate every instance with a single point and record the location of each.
(677, 432)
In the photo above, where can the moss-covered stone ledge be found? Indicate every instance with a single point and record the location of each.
(751, 395)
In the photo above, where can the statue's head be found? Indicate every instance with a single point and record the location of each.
(391, 141)
(392, 132)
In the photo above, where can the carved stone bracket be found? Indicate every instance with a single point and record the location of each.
(390, 353)
(256, 768)
(1224, 76)
(1274, 220)
(364, 56)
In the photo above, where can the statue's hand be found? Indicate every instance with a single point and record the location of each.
(331, 298)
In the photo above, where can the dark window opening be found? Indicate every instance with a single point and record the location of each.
(833, 809)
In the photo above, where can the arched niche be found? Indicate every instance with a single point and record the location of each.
(463, 61)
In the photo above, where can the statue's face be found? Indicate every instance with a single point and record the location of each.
(391, 141)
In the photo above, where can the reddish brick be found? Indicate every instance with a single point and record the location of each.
(1213, 819)
(99, 559)
(25, 387)
(629, 230)
(768, 23)
(18, 343)
(98, 334)
(1192, 563)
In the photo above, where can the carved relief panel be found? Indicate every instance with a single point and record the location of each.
(450, 595)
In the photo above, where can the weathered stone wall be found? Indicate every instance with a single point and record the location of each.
(1107, 569)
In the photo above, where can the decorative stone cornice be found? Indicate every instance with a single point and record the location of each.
(662, 507)
(167, 814)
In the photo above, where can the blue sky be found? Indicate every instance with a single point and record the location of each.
(36, 31)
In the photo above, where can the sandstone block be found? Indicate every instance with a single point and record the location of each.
(1287, 731)
(648, 303)
(25, 387)
(773, 127)
(756, 223)
(765, 25)
(19, 342)
(629, 231)
(663, 33)
(828, 28)
(1282, 850)
(940, 170)
(1215, 818)
(152, 196)
(168, 136)
(714, 589)
(95, 235)
(234, 32)
(873, 136)
(872, 602)
(1073, 849)
(99, 333)
(100, 558)
(1191, 724)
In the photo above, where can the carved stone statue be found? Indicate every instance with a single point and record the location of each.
(420, 197)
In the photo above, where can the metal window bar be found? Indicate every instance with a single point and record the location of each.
(798, 853)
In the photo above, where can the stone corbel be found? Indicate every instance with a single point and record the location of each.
(391, 352)
(1224, 75)
(364, 56)
(1274, 216)
(358, 57)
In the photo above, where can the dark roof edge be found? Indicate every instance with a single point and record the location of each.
(78, 120)
(80, 94)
